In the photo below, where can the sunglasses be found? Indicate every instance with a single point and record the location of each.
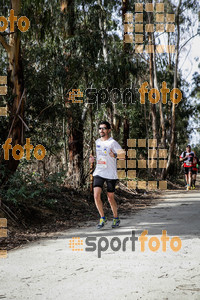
(103, 128)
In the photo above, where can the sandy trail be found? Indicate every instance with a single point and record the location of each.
(49, 269)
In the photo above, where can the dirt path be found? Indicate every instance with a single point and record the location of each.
(49, 269)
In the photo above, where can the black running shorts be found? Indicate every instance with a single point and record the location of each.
(99, 181)
(188, 169)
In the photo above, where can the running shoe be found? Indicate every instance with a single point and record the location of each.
(115, 223)
(188, 188)
(102, 222)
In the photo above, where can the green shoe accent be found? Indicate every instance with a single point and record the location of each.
(115, 223)
(102, 222)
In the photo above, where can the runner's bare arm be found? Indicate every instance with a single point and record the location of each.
(183, 158)
(91, 159)
(112, 154)
(120, 154)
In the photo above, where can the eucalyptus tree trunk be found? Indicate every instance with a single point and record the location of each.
(74, 129)
(151, 77)
(162, 121)
(126, 48)
(16, 82)
(173, 118)
(92, 150)
(102, 27)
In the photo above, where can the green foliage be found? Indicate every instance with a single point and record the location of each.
(23, 187)
(196, 148)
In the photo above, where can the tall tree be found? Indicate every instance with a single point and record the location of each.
(12, 45)
(173, 123)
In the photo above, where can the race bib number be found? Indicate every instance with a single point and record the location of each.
(102, 163)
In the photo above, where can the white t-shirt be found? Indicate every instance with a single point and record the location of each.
(106, 166)
(189, 161)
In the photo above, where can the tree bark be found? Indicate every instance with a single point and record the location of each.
(75, 131)
(92, 150)
(151, 73)
(126, 48)
(102, 27)
(75, 146)
(16, 82)
(162, 121)
(67, 7)
(173, 119)
(125, 134)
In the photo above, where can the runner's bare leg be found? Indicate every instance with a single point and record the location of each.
(186, 178)
(190, 179)
(113, 203)
(194, 178)
(98, 202)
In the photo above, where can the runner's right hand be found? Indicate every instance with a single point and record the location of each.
(91, 159)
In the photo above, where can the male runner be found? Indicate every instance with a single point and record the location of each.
(105, 171)
(187, 157)
(194, 170)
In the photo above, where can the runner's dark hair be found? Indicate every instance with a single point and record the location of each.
(105, 123)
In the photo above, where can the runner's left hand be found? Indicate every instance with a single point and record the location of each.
(112, 154)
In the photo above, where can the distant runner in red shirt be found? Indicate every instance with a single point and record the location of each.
(187, 156)
(194, 170)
